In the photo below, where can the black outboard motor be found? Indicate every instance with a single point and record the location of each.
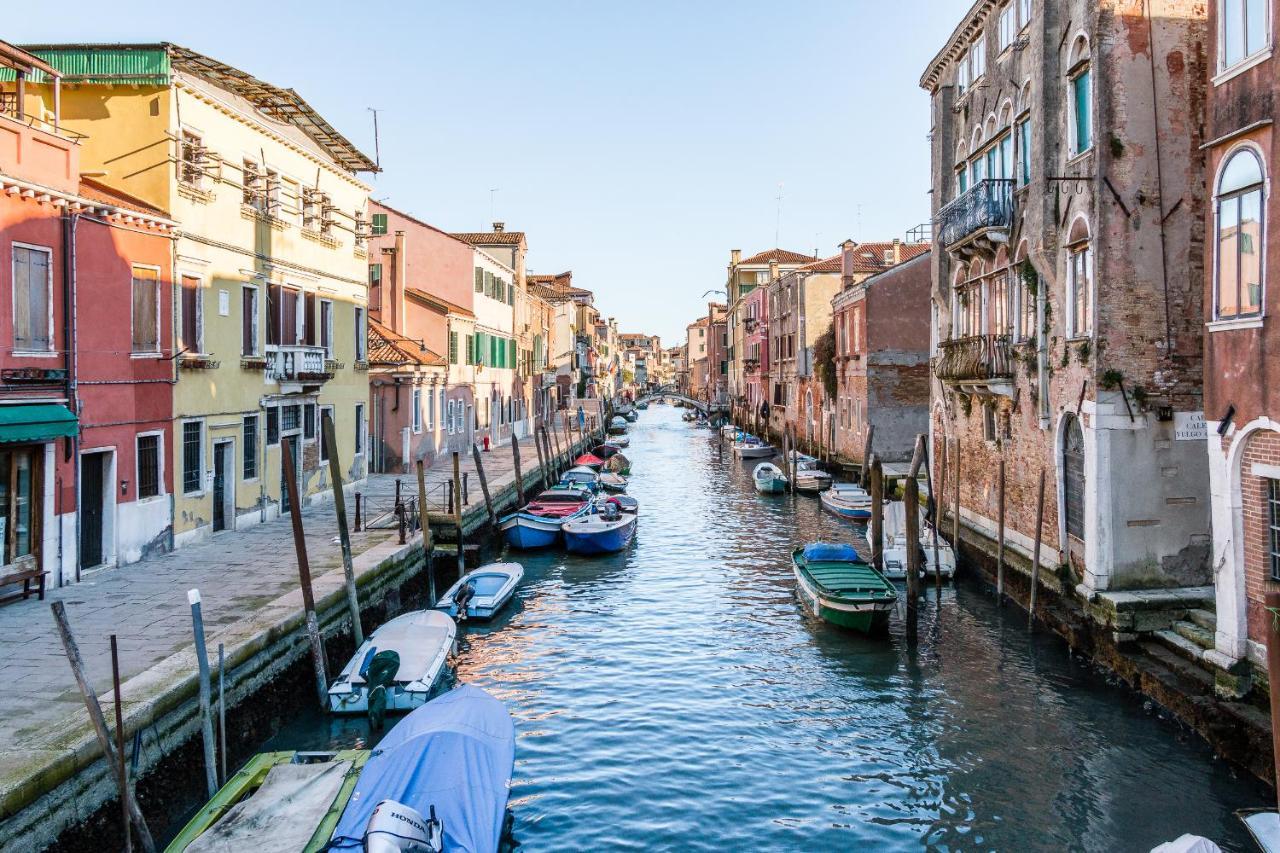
(462, 598)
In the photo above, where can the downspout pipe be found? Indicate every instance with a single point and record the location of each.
(70, 222)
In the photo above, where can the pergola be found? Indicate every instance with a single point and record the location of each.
(26, 65)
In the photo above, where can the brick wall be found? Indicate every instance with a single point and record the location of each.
(1263, 448)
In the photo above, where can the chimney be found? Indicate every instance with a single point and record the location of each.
(773, 269)
(897, 250)
(499, 227)
(735, 257)
(396, 296)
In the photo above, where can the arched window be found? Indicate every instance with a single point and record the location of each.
(1080, 96)
(962, 168)
(1241, 186)
(1022, 136)
(1024, 296)
(959, 299)
(998, 294)
(1079, 280)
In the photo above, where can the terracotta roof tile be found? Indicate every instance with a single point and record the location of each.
(870, 257)
(490, 238)
(95, 191)
(782, 256)
(391, 348)
(827, 265)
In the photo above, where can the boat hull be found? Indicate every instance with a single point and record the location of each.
(484, 607)
(529, 532)
(762, 452)
(866, 617)
(851, 513)
(771, 487)
(600, 542)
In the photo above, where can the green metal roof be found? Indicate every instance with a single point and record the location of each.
(36, 422)
(133, 65)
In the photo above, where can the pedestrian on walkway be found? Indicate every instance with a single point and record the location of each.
(582, 418)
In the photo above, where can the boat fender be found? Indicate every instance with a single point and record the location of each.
(396, 828)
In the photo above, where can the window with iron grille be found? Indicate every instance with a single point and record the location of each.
(250, 447)
(309, 421)
(290, 416)
(359, 428)
(1273, 522)
(273, 425)
(326, 411)
(192, 457)
(148, 466)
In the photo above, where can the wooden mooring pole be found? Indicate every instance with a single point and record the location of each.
(344, 535)
(955, 506)
(304, 573)
(122, 783)
(515, 460)
(933, 514)
(877, 513)
(484, 485)
(1035, 551)
(206, 702)
(113, 758)
(542, 460)
(911, 502)
(865, 474)
(1000, 486)
(427, 545)
(457, 512)
(222, 716)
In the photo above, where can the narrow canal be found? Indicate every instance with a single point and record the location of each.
(677, 697)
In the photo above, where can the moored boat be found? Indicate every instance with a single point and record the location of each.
(581, 476)
(590, 460)
(626, 503)
(768, 479)
(895, 554)
(621, 441)
(847, 500)
(644, 406)
(632, 416)
(750, 447)
(481, 593)
(618, 425)
(612, 482)
(808, 476)
(450, 764)
(606, 531)
(537, 523)
(838, 586)
(618, 464)
(403, 659)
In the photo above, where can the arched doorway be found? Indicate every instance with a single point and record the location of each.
(1073, 484)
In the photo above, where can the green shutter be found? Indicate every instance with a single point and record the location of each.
(479, 280)
(511, 353)
(453, 347)
(379, 226)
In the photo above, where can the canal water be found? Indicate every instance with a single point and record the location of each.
(676, 697)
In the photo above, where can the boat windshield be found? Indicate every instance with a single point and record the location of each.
(488, 584)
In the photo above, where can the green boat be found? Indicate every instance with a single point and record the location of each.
(310, 789)
(838, 586)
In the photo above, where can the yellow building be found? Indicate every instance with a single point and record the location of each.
(270, 269)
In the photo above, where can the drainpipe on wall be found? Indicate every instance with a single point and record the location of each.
(69, 224)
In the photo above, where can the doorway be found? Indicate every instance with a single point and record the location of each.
(224, 490)
(95, 504)
(1073, 481)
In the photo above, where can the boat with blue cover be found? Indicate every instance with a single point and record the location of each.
(606, 531)
(482, 593)
(838, 586)
(537, 523)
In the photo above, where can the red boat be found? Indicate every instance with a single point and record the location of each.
(590, 460)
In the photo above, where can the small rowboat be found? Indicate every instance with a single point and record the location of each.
(618, 425)
(606, 451)
(581, 476)
(408, 654)
(644, 406)
(620, 441)
(753, 448)
(612, 482)
(811, 480)
(607, 531)
(590, 460)
(895, 555)
(632, 416)
(482, 593)
(769, 479)
(626, 503)
(618, 464)
(537, 524)
(729, 430)
(838, 586)
(847, 500)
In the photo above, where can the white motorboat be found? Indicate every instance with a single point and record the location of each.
(406, 655)
(847, 500)
(729, 429)
(753, 448)
(769, 479)
(895, 555)
(808, 476)
(482, 593)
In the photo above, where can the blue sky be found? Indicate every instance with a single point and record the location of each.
(636, 143)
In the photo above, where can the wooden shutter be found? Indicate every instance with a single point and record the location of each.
(479, 280)
(273, 313)
(191, 313)
(145, 337)
(288, 316)
(248, 308)
(309, 320)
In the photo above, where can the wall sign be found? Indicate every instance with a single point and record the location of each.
(224, 303)
(1190, 426)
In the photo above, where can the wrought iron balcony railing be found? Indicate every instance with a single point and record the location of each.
(987, 204)
(981, 358)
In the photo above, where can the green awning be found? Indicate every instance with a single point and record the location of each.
(36, 422)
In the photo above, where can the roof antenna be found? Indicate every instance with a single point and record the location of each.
(377, 155)
(492, 192)
(777, 225)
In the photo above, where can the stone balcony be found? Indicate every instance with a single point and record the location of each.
(295, 367)
(978, 220)
(978, 364)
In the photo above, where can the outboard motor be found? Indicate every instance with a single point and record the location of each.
(396, 828)
(462, 598)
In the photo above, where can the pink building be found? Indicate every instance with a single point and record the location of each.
(755, 349)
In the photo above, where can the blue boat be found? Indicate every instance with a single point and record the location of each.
(606, 531)
(537, 523)
(847, 500)
(482, 593)
(452, 760)
(581, 476)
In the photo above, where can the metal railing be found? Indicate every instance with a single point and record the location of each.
(980, 358)
(297, 363)
(987, 204)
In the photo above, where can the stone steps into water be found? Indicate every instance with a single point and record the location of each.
(1206, 619)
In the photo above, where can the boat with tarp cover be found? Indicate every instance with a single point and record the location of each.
(537, 523)
(838, 586)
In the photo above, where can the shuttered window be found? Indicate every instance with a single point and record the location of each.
(146, 315)
(453, 347)
(249, 321)
(32, 294)
(192, 311)
(479, 280)
(309, 320)
(378, 227)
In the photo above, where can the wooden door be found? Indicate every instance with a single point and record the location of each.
(1073, 477)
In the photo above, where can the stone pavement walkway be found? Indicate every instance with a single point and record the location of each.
(145, 603)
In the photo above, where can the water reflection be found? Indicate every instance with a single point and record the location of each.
(678, 697)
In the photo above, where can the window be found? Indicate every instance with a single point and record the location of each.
(1023, 134)
(442, 407)
(326, 327)
(273, 426)
(272, 201)
(1081, 97)
(1024, 293)
(359, 428)
(253, 194)
(1079, 282)
(1240, 222)
(327, 412)
(479, 280)
(998, 294)
(192, 457)
(1008, 26)
(1273, 524)
(192, 315)
(309, 421)
(1024, 13)
(417, 410)
(248, 320)
(309, 319)
(1243, 31)
(379, 225)
(146, 310)
(449, 416)
(250, 447)
(32, 299)
(361, 334)
(193, 158)
(453, 347)
(293, 193)
(989, 421)
(962, 74)
(977, 58)
(431, 410)
(290, 417)
(148, 466)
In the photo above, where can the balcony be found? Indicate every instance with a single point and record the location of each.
(978, 364)
(297, 366)
(977, 220)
